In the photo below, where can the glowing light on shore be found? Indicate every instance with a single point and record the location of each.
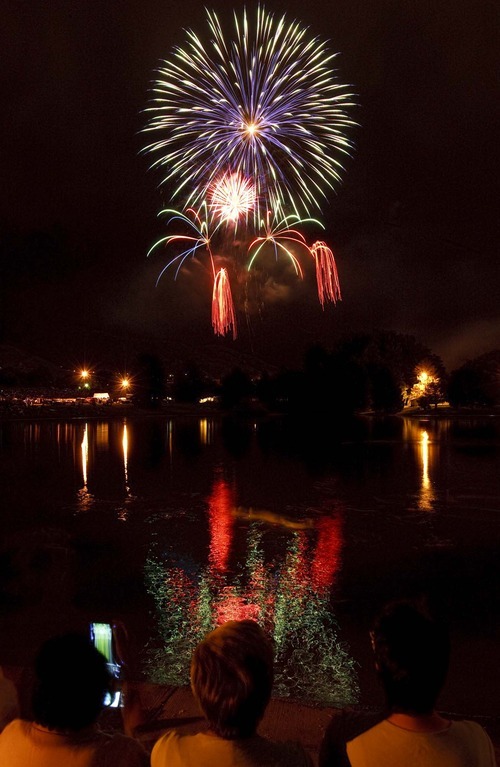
(85, 375)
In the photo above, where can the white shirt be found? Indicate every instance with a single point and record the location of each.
(174, 750)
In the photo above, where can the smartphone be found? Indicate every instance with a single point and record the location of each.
(101, 635)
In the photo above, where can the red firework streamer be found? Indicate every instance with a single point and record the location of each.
(326, 273)
(223, 316)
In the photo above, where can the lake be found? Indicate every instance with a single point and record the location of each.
(173, 525)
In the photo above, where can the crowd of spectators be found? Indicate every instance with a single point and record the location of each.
(232, 681)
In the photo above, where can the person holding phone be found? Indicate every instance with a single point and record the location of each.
(102, 636)
(72, 681)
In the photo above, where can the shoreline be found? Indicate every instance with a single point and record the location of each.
(22, 412)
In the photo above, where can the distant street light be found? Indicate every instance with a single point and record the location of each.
(85, 378)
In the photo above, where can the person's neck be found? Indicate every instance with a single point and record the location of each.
(419, 722)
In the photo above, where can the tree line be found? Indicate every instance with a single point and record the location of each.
(377, 372)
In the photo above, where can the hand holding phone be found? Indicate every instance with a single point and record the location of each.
(101, 635)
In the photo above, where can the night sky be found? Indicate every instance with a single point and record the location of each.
(414, 225)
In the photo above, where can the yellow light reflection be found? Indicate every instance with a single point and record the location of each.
(203, 431)
(426, 496)
(85, 455)
(31, 435)
(123, 512)
(170, 440)
(125, 456)
(85, 498)
(102, 434)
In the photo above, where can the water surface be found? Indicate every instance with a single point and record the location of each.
(175, 525)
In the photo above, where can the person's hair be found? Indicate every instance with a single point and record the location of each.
(71, 681)
(232, 677)
(412, 651)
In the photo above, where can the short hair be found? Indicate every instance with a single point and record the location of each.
(232, 677)
(71, 681)
(412, 651)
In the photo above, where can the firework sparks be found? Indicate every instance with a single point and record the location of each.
(250, 133)
(265, 104)
(277, 235)
(198, 221)
(326, 273)
(232, 197)
(223, 315)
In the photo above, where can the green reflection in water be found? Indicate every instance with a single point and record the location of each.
(172, 591)
(311, 662)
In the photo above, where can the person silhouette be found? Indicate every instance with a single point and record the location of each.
(231, 678)
(71, 683)
(411, 649)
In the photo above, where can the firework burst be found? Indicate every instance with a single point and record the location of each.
(232, 197)
(197, 221)
(265, 104)
(280, 236)
(250, 133)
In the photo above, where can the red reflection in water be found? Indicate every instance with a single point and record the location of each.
(220, 512)
(288, 595)
(315, 563)
(182, 588)
(327, 559)
(236, 608)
